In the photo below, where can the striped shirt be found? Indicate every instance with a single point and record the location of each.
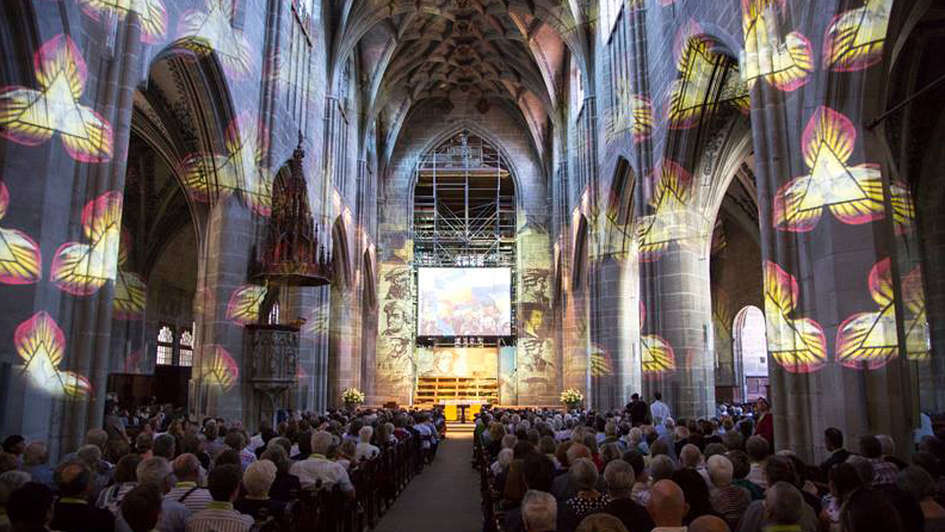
(195, 500)
(220, 517)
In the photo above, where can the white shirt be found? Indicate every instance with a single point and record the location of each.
(366, 451)
(316, 467)
(659, 411)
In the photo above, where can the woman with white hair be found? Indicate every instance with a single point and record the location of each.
(502, 463)
(365, 450)
(257, 480)
(728, 500)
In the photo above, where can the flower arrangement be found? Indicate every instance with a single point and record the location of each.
(571, 397)
(352, 396)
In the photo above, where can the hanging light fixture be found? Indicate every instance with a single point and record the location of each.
(294, 253)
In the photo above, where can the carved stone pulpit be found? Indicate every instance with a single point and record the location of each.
(272, 366)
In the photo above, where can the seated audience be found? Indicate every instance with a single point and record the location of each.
(124, 480)
(883, 472)
(777, 469)
(728, 500)
(187, 490)
(30, 508)
(224, 485)
(157, 472)
(539, 512)
(587, 499)
(619, 478)
(286, 486)
(843, 480)
(141, 508)
(758, 450)
(667, 507)
(601, 523)
(869, 510)
(708, 523)
(365, 450)
(36, 463)
(317, 471)
(919, 485)
(72, 512)
(783, 507)
(257, 480)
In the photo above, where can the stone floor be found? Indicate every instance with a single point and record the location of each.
(444, 497)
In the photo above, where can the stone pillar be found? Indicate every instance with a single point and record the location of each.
(829, 218)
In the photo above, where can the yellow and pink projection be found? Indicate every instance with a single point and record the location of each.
(797, 344)
(131, 292)
(209, 31)
(20, 259)
(209, 176)
(852, 193)
(218, 368)
(244, 303)
(657, 354)
(671, 219)
(40, 343)
(31, 117)
(82, 268)
(152, 15)
(702, 73)
(784, 62)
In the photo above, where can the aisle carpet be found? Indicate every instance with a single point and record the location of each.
(444, 497)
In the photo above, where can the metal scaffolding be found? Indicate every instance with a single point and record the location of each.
(464, 206)
(464, 215)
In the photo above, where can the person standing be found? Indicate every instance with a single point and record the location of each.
(659, 410)
(639, 411)
(764, 427)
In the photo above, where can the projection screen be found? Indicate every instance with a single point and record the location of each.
(464, 301)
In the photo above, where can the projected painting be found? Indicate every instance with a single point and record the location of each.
(464, 301)
(459, 362)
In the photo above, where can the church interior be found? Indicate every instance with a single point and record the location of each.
(259, 211)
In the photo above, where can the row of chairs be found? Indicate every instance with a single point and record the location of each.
(490, 496)
(377, 483)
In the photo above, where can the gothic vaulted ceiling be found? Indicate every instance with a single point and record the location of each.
(489, 52)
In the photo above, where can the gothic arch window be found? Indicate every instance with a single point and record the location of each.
(186, 348)
(751, 351)
(165, 345)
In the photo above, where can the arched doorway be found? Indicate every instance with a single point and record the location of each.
(750, 349)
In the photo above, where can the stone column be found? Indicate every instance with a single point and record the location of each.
(829, 218)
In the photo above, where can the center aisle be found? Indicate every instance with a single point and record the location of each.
(444, 497)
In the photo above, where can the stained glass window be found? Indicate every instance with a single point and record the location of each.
(165, 346)
(186, 348)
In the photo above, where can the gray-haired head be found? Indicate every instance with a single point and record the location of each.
(155, 471)
(662, 468)
(619, 478)
(584, 474)
(783, 504)
(322, 442)
(539, 511)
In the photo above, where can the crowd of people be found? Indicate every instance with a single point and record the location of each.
(640, 470)
(165, 472)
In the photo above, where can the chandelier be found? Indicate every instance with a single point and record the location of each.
(294, 253)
